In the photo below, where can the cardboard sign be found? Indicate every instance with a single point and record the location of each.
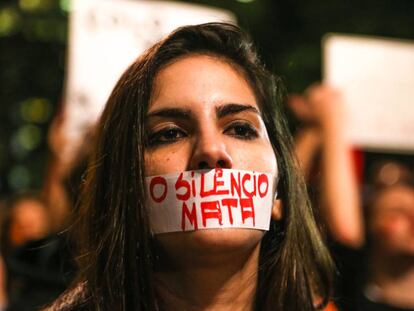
(376, 77)
(105, 37)
(208, 199)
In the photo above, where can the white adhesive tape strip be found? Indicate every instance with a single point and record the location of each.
(207, 199)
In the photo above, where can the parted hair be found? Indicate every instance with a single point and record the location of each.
(115, 242)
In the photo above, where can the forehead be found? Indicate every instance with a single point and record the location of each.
(201, 78)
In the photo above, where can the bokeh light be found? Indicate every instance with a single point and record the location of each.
(9, 21)
(19, 177)
(36, 5)
(64, 5)
(42, 29)
(28, 137)
(36, 110)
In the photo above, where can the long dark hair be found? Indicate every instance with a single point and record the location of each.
(116, 244)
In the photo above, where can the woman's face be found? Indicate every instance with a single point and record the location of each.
(392, 223)
(29, 221)
(204, 114)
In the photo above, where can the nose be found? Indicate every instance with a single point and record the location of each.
(210, 151)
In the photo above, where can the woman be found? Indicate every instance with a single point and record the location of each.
(388, 274)
(34, 261)
(199, 99)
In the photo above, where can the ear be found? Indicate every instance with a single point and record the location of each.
(277, 209)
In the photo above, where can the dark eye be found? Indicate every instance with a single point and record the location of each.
(241, 130)
(165, 136)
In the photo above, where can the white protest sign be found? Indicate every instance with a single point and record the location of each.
(105, 37)
(376, 77)
(209, 199)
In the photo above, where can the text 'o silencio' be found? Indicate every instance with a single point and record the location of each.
(231, 195)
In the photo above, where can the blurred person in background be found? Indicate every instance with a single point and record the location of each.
(65, 172)
(25, 218)
(373, 253)
(325, 156)
(39, 263)
(29, 219)
(389, 276)
(36, 261)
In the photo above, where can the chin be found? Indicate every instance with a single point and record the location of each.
(410, 248)
(225, 239)
(207, 243)
(401, 248)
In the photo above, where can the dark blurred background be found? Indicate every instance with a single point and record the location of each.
(33, 41)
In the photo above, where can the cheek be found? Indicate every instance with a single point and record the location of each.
(260, 158)
(165, 161)
(392, 230)
(396, 235)
(389, 229)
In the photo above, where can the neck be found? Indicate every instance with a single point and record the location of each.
(225, 282)
(394, 275)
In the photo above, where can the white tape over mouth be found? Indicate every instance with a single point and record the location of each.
(210, 199)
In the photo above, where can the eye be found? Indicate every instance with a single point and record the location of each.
(241, 130)
(167, 135)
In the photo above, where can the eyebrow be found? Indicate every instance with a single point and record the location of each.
(230, 109)
(183, 114)
(174, 113)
